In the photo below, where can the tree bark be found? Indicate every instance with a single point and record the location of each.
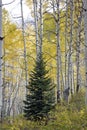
(1, 44)
(78, 55)
(70, 48)
(85, 32)
(24, 42)
(41, 25)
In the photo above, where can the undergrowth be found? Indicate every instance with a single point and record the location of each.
(72, 116)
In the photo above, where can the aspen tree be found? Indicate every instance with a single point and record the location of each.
(56, 14)
(41, 25)
(78, 52)
(38, 18)
(3, 90)
(35, 5)
(85, 33)
(66, 18)
(1, 44)
(77, 39)
(70, 48)
(24, 42)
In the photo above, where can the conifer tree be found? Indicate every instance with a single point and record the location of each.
(40, 99)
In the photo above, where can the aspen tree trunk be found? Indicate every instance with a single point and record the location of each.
(38, 17)
(58, 50)
(1, 42)
(3, 91)
(85, 32)
(78, 17)
(24, 41)
(35, 5)
(62, 76)
(9, 99)
(4, 80)
(73, 82)
(41, 25)
(78, 54)
(66, 17)
(4, 94)
(70, 48)
(56, 14)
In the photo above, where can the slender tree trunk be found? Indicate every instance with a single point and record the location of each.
(1, 42)
(66, 18)
(58, 50)
(70, 48)
(24, 42)
(3, 90)
(35, 5)
(4, 101)
(38, 17)
(41, 25)
(85, 32)
(9, 99)
(78, 54)
(56, 14)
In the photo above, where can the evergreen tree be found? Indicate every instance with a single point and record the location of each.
(40, 99)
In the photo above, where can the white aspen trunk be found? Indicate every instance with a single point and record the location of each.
(70, 48)
(41, 25)
(35, 5)
(4, 102)
(1, 42)
(78, 54)
(38, 17)
(56, 14)
(24, 42)
(85, 32)
(3, 91)
(73, 81)
(66, 84)
(58, 50)
(9, 99)
(56, 91)
(61, 72)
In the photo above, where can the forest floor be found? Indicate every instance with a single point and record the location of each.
(72, 116)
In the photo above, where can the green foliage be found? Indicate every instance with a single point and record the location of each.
(40, 99)
(78, 100)
(64, 117)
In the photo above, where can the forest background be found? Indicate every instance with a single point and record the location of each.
(58, 30)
